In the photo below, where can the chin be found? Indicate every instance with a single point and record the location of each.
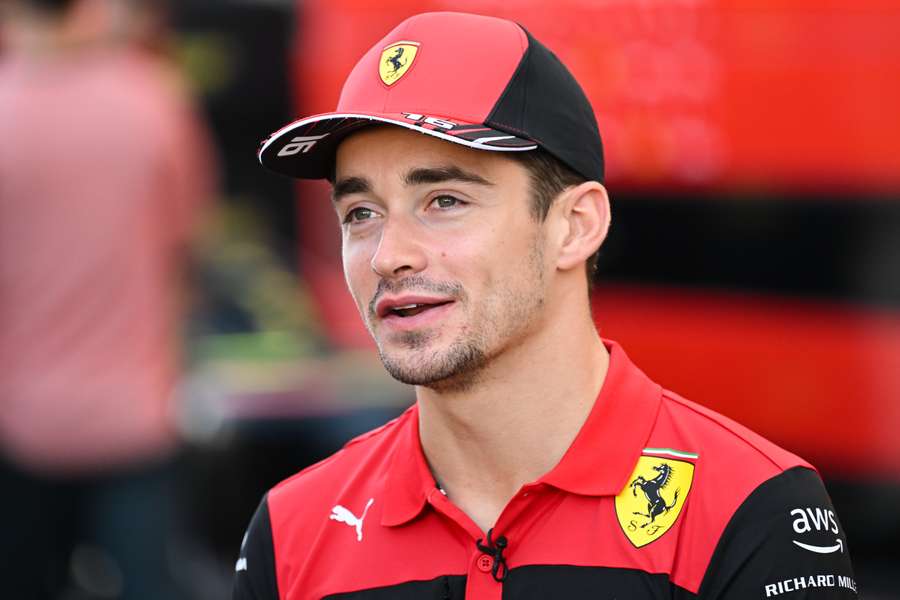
(453, 368)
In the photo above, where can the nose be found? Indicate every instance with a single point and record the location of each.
(399, 252)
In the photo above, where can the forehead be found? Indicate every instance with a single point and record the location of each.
(382, 150)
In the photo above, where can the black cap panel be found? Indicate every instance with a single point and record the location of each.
(544, 102)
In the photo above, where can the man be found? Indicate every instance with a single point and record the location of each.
(537, 462)
(105, 172)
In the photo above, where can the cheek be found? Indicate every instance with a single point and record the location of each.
(483, 257)
(357, 271)
(485, 273)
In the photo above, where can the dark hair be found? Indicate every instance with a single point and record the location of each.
(549, 178)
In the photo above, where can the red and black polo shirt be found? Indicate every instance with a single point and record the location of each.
(656, 498)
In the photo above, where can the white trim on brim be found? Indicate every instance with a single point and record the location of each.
(477, 144)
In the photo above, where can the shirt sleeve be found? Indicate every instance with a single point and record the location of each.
(785, 541)
(254, 572)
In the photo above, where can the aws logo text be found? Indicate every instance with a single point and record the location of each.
(820, 519)
(810, 519)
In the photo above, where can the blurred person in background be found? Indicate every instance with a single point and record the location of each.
(104, 172)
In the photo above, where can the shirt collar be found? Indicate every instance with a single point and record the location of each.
(409, 480)
(609, 444)
(598, 463)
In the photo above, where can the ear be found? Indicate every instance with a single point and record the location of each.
(585, 210)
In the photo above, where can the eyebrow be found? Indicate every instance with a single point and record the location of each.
(419, 176)
(441, 174)
(349, 185)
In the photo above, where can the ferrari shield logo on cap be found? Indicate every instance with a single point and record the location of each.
(653, 499)
(396, 60)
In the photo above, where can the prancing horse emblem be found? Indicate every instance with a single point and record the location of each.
(656, 505)
(396, 60)
(655, 495)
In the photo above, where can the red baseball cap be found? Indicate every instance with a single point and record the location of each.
(482, 82)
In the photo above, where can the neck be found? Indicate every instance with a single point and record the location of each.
(513, 425)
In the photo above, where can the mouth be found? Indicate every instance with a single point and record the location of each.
(411, 312)
(413, 309)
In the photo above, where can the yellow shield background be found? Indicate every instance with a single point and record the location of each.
(396, 60)
(651, 502)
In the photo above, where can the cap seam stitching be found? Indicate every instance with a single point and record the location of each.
(526, 51)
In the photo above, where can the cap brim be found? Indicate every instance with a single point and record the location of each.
(306, 148)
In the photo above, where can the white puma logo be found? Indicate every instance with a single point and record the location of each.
(339, 513)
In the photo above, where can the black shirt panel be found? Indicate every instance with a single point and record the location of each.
(538, 582)
(450, 587)
(784, 541)
(254, 577)
(566, 582)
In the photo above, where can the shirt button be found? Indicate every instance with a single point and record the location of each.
(484, 563)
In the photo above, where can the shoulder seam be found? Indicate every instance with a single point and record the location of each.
(667, 395)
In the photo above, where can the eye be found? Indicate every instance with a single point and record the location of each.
(360, 213)
(444, 201)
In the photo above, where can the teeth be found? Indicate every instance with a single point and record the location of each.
(407, 306)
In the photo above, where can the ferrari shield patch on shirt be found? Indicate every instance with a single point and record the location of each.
(651, 502)
(396, 60)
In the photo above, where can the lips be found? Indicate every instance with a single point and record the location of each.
(411, 310)
(407, 306)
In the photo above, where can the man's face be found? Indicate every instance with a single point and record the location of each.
(441, 253)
